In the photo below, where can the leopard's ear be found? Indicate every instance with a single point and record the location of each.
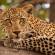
(28, 7)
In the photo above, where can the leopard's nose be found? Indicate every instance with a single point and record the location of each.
(16, 32)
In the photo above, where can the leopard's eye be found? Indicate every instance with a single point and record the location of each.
(7, 22)
(22, 21)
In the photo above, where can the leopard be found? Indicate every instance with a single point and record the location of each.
(39, 34)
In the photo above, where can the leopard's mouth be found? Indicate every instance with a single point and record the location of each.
(17, 33)
(26, 34)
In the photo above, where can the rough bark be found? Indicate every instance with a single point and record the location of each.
(8, 51)
(52, 11)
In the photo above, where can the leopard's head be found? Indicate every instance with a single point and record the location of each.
(15, 19)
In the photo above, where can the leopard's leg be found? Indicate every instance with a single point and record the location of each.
(43, 44)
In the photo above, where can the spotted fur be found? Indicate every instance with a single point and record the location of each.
(18, 20)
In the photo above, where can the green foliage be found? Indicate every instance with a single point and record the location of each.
(2, 33)
(42, 13)
(3, 2)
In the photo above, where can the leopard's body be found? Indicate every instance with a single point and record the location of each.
(43, 39)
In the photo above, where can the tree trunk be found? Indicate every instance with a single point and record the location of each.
(52, 11)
